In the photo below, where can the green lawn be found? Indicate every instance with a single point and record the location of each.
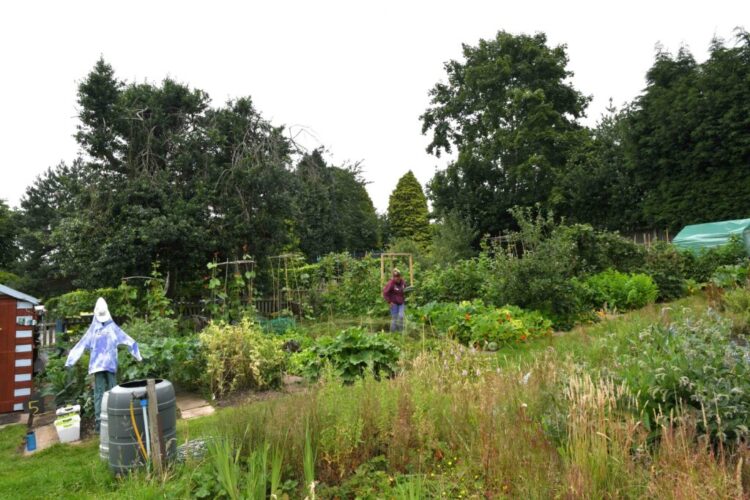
(75, 471)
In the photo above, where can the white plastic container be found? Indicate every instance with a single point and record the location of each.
(68, 428)
(67, 410)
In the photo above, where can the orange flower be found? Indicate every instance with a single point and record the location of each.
(467, 317)
(523, 337)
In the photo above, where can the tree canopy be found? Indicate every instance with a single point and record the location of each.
(678, 154)
(166, 176)
(691, 136)
(510, 114)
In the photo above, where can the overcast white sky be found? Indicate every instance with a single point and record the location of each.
(355, 75)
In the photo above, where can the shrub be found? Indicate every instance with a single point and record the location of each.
(540, 280)
(348, 286)
(462, 280)
(666, 265)
(700, 266)
(601, 250)
(145, 330)
(730, 276)
(69, 386)
(474, 323)
(691, 364)
(352, 353)
(121, 302)
(177, 359)
(620, 290)
(736, 303)
(240, 357)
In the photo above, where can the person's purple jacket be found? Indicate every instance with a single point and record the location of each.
(394, 291)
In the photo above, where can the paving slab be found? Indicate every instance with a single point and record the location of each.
(201, 411)
(193, 406)
(190, 401)
(46, 436)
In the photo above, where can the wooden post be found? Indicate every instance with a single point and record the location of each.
(411, 270)
(153, 425)
(382, 269)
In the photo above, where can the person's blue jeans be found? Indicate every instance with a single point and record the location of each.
(103, 381)
(397, 317)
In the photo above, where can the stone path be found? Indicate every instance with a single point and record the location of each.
(193, 406)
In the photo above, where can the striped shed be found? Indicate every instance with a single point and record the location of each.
(17, 319)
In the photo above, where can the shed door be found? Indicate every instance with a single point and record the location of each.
(7, 352)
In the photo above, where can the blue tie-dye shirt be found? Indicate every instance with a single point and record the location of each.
(102, 340)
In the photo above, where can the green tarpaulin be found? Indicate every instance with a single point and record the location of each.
(713, 234)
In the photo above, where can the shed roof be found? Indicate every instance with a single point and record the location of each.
(6, 290)
(712, 234)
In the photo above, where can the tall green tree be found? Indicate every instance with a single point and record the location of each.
(408, 216)
(336, 212)
(8, 235)
(691, 136)
(510, 114)
(598, 184)
(163, 178)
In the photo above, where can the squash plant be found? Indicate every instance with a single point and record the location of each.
(352, 353)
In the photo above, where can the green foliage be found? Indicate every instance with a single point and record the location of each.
(12, 280)
(690, 364)
(226, 461)
(407, 210)
(121, 301)
(598, 186)
(336, 213)
(461, 280)
(510, 112)
(686, 110)
(613, 289)
(9, 250)
(352, 353)
(144, 330)
(157, 303)
(731, 276)
(598, 250)
(700, 266)
(666, 265)
(540, 279)
(240, 357)
(534, 268)
(452, 240)
(166, 176)
(736, 304)
(348, 286)
(69, 386)
(476, 324)
(229, 292)
(181, 360)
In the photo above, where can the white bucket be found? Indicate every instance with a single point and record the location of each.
(68, 428)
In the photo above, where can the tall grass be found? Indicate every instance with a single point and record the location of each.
(462, 423)
(308, 464)
(226, 461)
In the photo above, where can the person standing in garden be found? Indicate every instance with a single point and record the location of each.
(102, 339)
(393, 293)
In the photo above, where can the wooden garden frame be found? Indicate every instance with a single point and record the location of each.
(396, 254)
